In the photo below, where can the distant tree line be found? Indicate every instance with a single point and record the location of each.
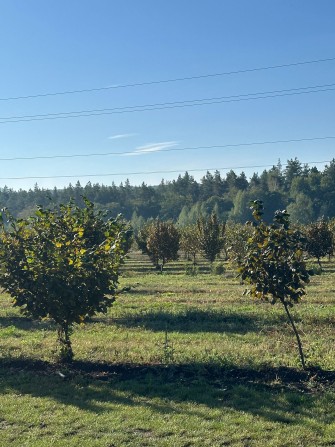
(307, 193)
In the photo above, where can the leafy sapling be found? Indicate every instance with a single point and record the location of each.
(319, 241)
(273, 264)
(211, 236)
(162, 243)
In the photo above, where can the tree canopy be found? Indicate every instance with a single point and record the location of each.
(62, 264)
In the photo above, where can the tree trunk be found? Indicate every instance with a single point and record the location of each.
(302, 358)
(66, 353)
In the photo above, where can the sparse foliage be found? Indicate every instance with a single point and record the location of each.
(274, 265)
(141, 239)
(236, 236)
(189, 241)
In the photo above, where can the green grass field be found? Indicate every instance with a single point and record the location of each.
(178, 361)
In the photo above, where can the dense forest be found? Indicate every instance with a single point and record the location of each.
(306, 192)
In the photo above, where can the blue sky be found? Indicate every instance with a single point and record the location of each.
(50, 47)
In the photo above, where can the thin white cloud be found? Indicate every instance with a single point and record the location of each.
(121, 135)
(152, 147)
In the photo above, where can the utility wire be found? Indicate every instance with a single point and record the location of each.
(182, 149)
(169, 105)
(173, 102)
(165, 81)
(151, 172)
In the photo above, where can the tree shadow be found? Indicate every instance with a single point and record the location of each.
(26, 323)
(135, 292)
(197, 320)
(283, 395)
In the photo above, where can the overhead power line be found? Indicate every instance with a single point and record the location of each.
(36, 177)
(170, 105)
(165, 81)
(170, 149)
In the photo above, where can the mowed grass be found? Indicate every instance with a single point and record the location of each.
(178, 361)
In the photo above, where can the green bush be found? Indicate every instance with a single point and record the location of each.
(218, 268)
(62, 264)
(314, 269)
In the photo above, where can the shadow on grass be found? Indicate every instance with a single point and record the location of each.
(26, 324)
(283, 395)
(197, 320)
(189, 320)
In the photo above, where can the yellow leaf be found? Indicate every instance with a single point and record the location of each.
(80, 231)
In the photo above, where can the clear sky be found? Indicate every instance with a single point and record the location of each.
(69, 45)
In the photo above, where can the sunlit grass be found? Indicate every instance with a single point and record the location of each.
(177, 361)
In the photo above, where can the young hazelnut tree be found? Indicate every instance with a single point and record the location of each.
(62, 264)
(211, 236)
(273, 264)
(189, 241)
(319, 240)
(162, 243)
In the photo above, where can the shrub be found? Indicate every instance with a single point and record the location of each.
(314, 269)
(218, 268)
(62, 264)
